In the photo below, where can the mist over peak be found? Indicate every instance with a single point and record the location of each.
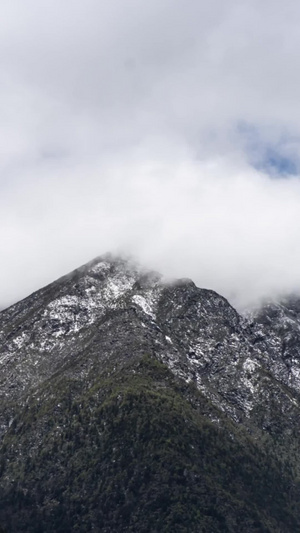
(168, 132)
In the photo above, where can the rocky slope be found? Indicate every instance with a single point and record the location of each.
(95, 359)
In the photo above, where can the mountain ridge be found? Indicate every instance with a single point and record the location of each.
(60, 347)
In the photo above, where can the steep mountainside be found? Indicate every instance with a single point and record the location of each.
(132, 404)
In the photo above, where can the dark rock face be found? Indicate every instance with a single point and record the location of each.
(61, 346)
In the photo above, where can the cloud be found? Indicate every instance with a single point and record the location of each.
(154, 128)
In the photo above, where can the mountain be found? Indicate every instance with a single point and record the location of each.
(133, 404)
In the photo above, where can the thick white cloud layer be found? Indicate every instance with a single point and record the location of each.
(139, 127)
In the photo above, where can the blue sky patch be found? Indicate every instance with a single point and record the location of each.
(276, 156)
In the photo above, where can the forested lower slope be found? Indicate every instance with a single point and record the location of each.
(141, 451)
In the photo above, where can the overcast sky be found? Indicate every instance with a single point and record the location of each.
(168, 129)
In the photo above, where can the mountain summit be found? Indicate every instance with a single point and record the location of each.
(129, 403)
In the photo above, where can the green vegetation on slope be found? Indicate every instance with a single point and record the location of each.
(140, 452)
